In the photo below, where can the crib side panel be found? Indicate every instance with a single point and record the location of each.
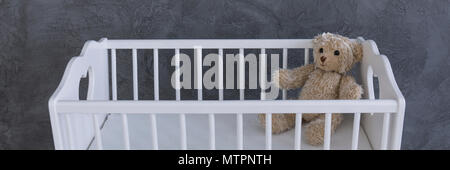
(75, 131)
(198, 45)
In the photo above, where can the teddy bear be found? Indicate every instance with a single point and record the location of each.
(325, 79)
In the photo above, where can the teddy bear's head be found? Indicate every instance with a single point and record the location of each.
(336, 53)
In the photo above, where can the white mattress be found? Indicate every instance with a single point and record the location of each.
(198, 133)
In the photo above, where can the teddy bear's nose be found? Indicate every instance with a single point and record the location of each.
(323, 58)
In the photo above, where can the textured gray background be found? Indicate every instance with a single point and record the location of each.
(37, 39)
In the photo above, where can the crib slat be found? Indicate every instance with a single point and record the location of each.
(385, 131)
(240, 136)
(113, 74)
(268, 131)
(156, 94)
(135, 78)
(156, 73)
(298, 131)
(182, 122)
(198, 57)
(135, 97)
(126, 138)
(327, 133)
(212, 132)
(177, 74)
(212, 135)
(285, 54)
(241, 73)
(262, 74)
(306, 56)
(126, 135)
(211, 116)
(220, 64)
(98, 134)
(240, 131)
(154, 131)
(355, 136)
(69, 131)
(183, 131)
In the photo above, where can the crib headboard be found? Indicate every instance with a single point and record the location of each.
(374, 65)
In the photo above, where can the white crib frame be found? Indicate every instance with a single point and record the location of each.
(75, 123)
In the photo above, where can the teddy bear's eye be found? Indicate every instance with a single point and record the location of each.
(321, 50)
(336, 53)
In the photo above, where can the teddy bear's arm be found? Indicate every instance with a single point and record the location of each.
(349, 89)
(292, 78)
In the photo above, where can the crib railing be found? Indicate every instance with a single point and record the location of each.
(73, 134)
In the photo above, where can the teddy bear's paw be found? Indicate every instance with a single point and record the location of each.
(314, 132)
(276, 78)
(280, 122)
(281, 78)
(355, 93)
(349, 89)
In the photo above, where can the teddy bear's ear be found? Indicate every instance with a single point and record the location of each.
(318, 38)
(357, 51)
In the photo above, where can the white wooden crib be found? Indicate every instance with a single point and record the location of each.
(104, 122)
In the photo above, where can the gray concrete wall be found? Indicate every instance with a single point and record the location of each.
(38, 37)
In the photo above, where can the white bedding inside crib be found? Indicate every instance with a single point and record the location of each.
(198, 133)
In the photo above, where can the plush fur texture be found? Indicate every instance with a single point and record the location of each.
(325, 79)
